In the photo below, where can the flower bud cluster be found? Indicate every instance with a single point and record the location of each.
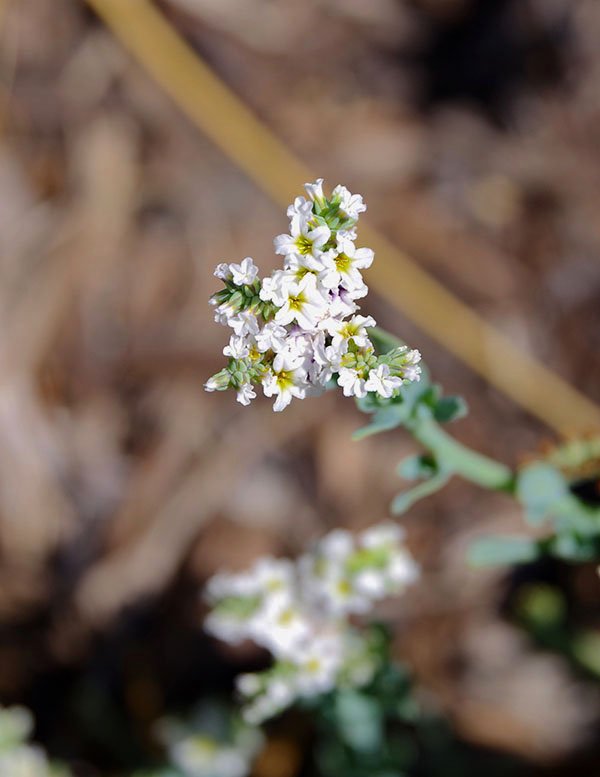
(299, 328)
(300, 611)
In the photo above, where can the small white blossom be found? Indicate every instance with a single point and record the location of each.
(246, 394)
(223, 272)
(244, 323)
(315, 190)
(305, 242)
(271, 337)
(382, 382)
(354, 330)
(304, 303)
(244, 273)
(351, 205)
(342, 265)
(285, 382)
(352, 382)
(238, 347)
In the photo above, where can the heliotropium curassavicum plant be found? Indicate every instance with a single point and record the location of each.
(296, 330)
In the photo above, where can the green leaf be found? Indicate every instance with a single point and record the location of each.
(384, 419)
(499, 551)
(539, 486)
(418, 467)
(406, 499)
(573, 548)
(449, 409)
(359, 721)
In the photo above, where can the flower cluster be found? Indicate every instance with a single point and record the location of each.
(298, 329)
(18, 758)
(300, 611)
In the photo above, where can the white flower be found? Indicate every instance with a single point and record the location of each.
(244, 323)
(281, 627)
(285, 383)
(383, 535)
(223, 272)
(351, 205)
(225, 313)
(24, 761)
(341, 266)
(246, 394)
(411, 370)
(352, 382)
(202, 756)
(305, 242)
(238, 347)
(337, 545)
(354, 330)
(320, 664)
(272, 337)
(315, 190)
(381, 382)
(304, 303)
(300, 210)
(244, 273)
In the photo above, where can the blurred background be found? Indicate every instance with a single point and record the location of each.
(471, 129)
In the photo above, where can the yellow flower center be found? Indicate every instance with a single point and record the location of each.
(304, 245)
(343, 262)
(284, 379)
(297, 302)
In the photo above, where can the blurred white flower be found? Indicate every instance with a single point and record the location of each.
(300, 611)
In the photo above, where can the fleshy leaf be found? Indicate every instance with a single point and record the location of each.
(499, 551)
(449, 409)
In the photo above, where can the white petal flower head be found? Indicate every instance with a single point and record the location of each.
(203, 756)
(320, 664)
(246, 394)
(300, 210)
(238, 348)
(354, 330)
(223, 272)
(244, 323)
(351, 205)
(352, 383)
(337, 545)
(305, 303)
(273, 575)
(384, 535)
(305, 242)
(273, 288)
(342, 265)
(315, 191)
(281, 627)
(285, 383)
(244, 273)
(381, 382)
(411, 370)
(272, 337)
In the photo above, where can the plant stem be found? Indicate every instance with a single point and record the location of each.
(468, 463)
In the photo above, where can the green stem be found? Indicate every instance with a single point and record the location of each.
(471, 465)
